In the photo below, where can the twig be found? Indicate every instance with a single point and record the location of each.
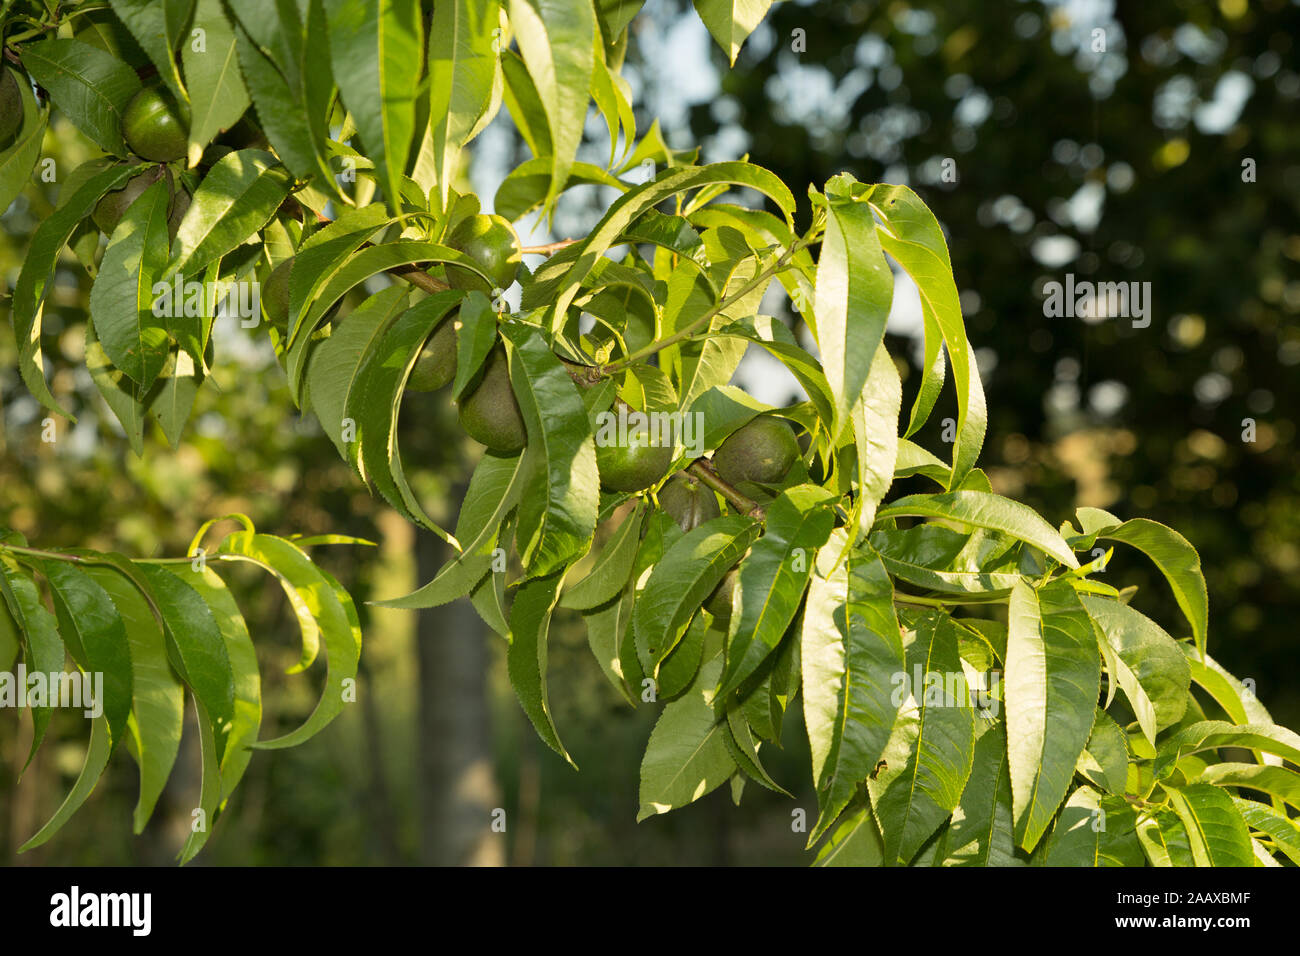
(703, 470)
(547, 249)
(704, 320)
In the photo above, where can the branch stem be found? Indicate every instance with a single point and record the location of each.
(703, 470)
(704, 320)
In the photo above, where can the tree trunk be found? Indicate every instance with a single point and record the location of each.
(457, 776)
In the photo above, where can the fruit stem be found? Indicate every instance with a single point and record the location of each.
(703, 470)
(419, 278)
(703, 321)
(547, 249)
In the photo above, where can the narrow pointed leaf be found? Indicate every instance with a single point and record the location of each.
(1053, 673)
(851, 653)
(686, 756)
(854, 289)
(375, 50)
(158, 697)
(1217, 833)
(88, 616)
(131, 330)
(90, 86)
(218, 97)
(43, 650)
(527, 658)
(932, 746)
(773, 577)
(557, 513)
(984, 510)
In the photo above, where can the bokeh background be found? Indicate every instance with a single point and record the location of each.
(1173, 157)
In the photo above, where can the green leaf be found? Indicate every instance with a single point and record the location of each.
(493, 491)
(157, 27)
(609, 575)
(940, 559)
(912, 236)
(1237, 700)
(374, 402)
(131, 330)
(744, 750)
(1212, 734)
(984, 510)
(525, 105)
(476, 334)
(375, 51)
(11, 639)
(1217, 833)
(732, 21)
(1278, 782)
(195, 646)
(686, 756)
(323, 255)
(294, 126)
(1104, 762)
(1151, 670)
(237, 197)
(875, 432)
(93, 766)
(557, 43)
(38, 269)
(43, 650)
(526, 659)
(855, 842)
(345, 276)
(1093, 830)
(247, 716)
(18, 161)
(773, 577)
(464, 80)
(89, 85)
(124, 397)
(852, 296)
(335, 365)
(527, 185)
(1164, 839)
(1169, 551)
(210, 786)
(932, 745)
(1284, 831)
(982, 832)
(780, 342)
(171, 399)
(95, 634)
(158, 697)
(217, 94)
(315, 597)
(1053, 677)
(557, 512)
(851, 653)
(686, 574)
(557, 282)
(683, 662)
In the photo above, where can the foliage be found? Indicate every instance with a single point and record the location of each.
(152, 630)
(938, 734)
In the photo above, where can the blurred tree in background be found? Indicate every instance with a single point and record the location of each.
(1040, 155)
